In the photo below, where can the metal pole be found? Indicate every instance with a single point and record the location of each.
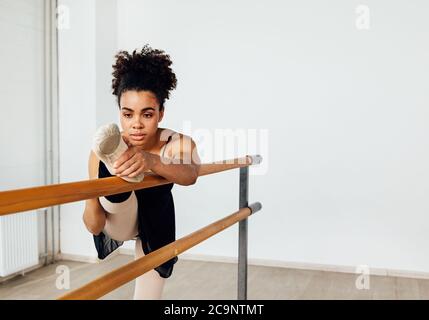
(242, 235)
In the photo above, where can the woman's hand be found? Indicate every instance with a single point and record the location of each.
(133, 162)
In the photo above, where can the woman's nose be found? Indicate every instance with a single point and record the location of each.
(137, 124)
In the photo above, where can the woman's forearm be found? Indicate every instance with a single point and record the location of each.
(183, 174)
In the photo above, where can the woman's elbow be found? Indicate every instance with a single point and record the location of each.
(195, 175)
(191, 179)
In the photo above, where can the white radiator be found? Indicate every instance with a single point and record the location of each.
(18, 242)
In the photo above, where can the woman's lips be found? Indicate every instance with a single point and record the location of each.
(137, 136)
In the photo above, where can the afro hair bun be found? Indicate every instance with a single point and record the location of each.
(148, 69)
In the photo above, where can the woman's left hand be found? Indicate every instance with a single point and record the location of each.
(133, 162)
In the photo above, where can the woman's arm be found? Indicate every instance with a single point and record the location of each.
(182, 164)
(94, 215)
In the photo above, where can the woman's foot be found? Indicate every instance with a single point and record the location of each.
(109, 145)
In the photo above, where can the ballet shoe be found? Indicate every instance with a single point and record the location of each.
(109, 145)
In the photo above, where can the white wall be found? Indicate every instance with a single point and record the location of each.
(22, 92)
(345, 110)
(77, 111)
(106, 47)
(86, 50)
(22, 122)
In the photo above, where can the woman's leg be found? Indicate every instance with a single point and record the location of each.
(122, 225)
(121, 218)
(148, 286)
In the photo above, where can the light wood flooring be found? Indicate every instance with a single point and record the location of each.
(213, 280)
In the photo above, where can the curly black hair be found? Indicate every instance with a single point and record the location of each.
(148, 69)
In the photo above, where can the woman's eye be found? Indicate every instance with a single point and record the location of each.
(148, 115)
(127, 115)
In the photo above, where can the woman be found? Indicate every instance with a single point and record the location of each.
(142, 81)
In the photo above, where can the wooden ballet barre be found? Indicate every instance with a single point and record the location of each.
(15, 201)
(113, 280)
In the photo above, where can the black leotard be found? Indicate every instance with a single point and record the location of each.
(156, 221)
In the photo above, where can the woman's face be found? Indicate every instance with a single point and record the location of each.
(140, 115)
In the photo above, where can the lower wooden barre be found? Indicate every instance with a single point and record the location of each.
(130, 271)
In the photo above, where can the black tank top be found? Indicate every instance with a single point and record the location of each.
(156, 221)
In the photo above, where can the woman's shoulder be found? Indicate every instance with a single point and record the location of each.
(171, 137)
(176, 143)
(166, 134)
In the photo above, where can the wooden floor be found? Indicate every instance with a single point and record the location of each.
(212, 280)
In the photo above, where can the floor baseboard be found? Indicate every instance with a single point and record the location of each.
(267, 263)
(87, 259)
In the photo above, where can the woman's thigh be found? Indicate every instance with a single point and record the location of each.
(121, 218)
